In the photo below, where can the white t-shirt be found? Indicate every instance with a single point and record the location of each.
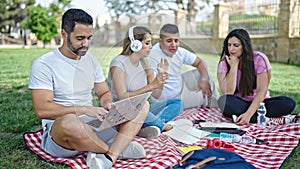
(173, 84)
(135, 77)
(70, 80)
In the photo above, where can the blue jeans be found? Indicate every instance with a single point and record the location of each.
(162, 112)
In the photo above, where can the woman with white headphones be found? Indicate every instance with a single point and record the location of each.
(130, 75)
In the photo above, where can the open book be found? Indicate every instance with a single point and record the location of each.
(183, 131)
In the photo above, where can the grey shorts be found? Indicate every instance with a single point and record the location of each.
(49, 145)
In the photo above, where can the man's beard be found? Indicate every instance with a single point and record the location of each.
(77, 51)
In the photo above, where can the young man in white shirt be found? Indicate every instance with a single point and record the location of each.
(196, 87)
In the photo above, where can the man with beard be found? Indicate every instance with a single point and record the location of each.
(61, 84)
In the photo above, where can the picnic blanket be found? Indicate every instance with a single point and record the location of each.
(162, 152)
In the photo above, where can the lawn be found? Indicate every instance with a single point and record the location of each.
(17, 115)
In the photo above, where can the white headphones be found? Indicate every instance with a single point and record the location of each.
(135, 45)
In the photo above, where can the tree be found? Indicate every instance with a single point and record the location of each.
(11, 14)
(42, 23)
(56, 9)
(131, 8)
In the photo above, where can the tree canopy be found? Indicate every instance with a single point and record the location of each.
(131, 8)
(42, 23)
(11, 13)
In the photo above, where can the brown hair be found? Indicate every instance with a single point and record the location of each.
(248, 76)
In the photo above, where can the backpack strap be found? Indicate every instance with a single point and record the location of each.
(201, 163)
(181, 162)
(193, 166)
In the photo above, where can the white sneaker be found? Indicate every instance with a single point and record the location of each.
(149, 132)
(98, 161)
(280, 120)
(134, 150)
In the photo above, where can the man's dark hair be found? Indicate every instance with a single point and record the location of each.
(168, 28)
(73, 16)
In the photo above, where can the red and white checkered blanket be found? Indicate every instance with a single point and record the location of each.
(162, 152)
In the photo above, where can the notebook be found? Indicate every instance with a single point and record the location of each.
(120, 112)
(221, 127)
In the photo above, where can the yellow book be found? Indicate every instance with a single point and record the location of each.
(187, 149)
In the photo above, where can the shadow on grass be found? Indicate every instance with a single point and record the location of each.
(17, 114)
(15, 154)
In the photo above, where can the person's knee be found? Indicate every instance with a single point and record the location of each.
(178, 103)
(178, 106)
(291, 104)
(191, 79)
(222, 102)
(225, 105)
(68, 126)
(66, 122)
(215, 93)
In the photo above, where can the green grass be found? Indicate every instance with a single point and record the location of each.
(17, 115)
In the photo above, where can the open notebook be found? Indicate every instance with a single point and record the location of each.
(120, 112)
(183, 131)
